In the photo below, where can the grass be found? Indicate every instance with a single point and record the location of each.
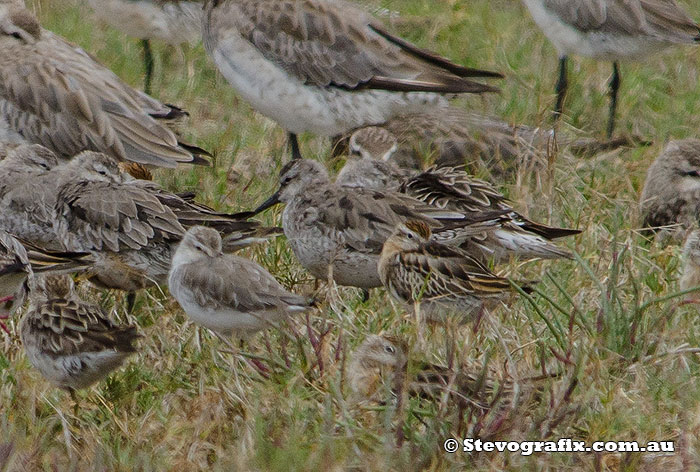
(611, 321)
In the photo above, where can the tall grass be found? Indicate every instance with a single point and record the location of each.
(610, 323)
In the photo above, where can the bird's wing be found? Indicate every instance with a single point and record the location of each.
(661, 18)
(231, 282)
(365, 218)
(69, 327)
(56, 94)
(13, 256)
(112, 217)
(335, 44)
(449, 272)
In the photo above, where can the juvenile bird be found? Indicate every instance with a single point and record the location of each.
(224, 292)
(381, 361)
(71, 342)
(670, 199)
(130, 226)
(442, 280)
(18, 263)
(453, 189)
(339, 231)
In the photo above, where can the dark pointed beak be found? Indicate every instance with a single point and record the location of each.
(270, 202)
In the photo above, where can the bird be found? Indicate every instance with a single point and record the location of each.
(72, 343)
(378, 359)
(19, 261)
(172, 21)
(610, 30)
(23, 162)
(445, 282)
(338, 231)
(226, 293)
(324, 66)
(452, 188)
(55, 94)
(130, 226)
(381, 362)
(670, 199)
(452, 136)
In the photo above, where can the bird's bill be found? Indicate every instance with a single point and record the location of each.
(270, 202)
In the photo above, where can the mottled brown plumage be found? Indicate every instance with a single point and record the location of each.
(328, 225)
(453, 189)
(72, 343)
(326, 66)
(452, 137)
(443, 280)
(19, 260)
(378, 360)
(130, 226)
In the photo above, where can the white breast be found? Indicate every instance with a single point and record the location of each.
(298, 107)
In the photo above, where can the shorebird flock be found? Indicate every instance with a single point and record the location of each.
(77, 145)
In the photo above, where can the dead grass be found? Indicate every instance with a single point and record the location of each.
(606, 321)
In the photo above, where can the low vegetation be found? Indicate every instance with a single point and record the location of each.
(611, 322)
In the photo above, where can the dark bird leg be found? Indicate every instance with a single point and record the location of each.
(130, 301)
(561, 88)
(365, 295)
(294, 143)
(614, 87)
(148, 63)
(74, 397)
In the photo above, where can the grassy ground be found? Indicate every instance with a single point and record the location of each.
(606, 321)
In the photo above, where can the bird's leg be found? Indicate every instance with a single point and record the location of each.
(294, 144)
(614, 87)
(148, 64)
(74, 397)
(561, 88)
(130, 301)
(365, 295)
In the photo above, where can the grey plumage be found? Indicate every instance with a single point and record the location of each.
(671, 194)
(55, 94)
(451, 188)
(331, 226)
(130, 226)
(325, 66)
(224, 292)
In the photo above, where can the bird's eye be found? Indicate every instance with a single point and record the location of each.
(16, 35)
(409, 236)
(286, 180)
(389, 348)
